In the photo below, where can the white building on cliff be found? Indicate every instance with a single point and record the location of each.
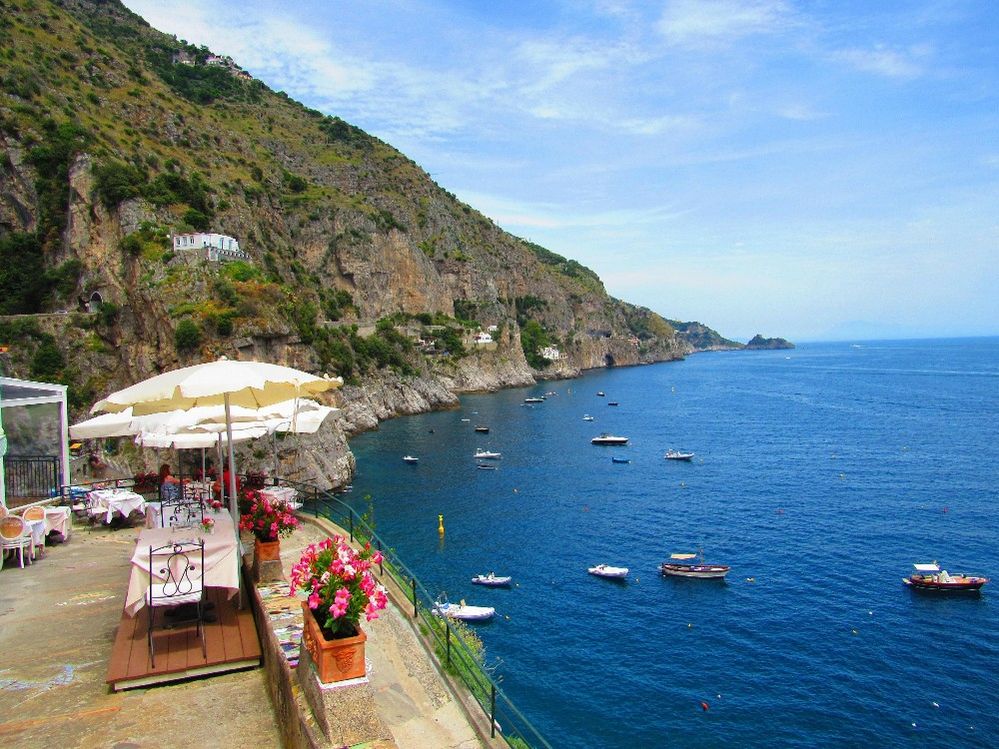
(216, 247)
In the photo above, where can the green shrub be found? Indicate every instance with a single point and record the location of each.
(48, 361)
(187, 336)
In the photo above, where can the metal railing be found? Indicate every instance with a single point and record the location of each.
(452, 651)
(31, 475)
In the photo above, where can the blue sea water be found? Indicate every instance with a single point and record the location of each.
(821, 474)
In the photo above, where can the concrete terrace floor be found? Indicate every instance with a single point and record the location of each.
(57, 624)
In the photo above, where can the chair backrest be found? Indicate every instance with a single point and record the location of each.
(178, 567)
(181, 513)
(34, 513)
(11, 527)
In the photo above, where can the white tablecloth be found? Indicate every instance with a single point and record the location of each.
(107, 502)
(37, 528)
(58, 519)
(221, 558)
(284, 494)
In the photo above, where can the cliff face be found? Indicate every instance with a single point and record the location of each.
(107, 148)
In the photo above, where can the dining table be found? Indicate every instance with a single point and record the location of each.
(286, 494)
(109, 502)
(57, 519)
(221, 568)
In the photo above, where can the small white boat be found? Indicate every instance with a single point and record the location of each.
(678, 455)
(485, 467)
(410, 459)
(609, 439)
(600, 393)
(487, 454)
(587, 417)
(493, 580)
(464, 420)
(463, 611)
(534, 400)
(605, 570)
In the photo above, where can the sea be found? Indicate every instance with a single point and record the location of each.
(821, 474)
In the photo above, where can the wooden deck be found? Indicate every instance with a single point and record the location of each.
(231, 642)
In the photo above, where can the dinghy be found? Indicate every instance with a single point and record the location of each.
(605, 570)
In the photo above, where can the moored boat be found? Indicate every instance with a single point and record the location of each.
(463, 611)
(485, 467)
(600, 393)
(682, 566)
(534, 400)
(609, 439)
(493, 580)
(620, 460)
(587, 417)
(606, 570)
(487, 454)
(482, 430)
(929, 577)
(410, 459)
(678, 455)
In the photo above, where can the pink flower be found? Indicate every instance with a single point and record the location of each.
(314, 601)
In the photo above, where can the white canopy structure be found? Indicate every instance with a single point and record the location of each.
(16, 393)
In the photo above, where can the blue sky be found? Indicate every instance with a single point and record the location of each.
(814, 170)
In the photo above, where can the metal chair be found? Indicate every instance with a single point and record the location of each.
(181, 513)
(176, 577)
(15, 536)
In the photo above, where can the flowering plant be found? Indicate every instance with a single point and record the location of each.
(207, 523)
(339, 584)
(215, 504)
(267, 520)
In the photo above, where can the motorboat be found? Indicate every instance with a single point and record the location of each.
(620, 460)
(550, 393)
(482, 430)
(534, 400)
(683, 566)
(600, 393)
(410, 459)
(485, 467)
(493, 580)
(464, 420)
(930, 577)
(606, 570)
(463, 611)
(587, 417)
(678, 455)
(609, 439)
(612, 403)
(487, 454)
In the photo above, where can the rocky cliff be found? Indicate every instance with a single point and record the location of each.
(358, 263)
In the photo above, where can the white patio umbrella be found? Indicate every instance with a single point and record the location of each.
(225, 382)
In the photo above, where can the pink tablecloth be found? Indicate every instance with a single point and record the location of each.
(221, 559)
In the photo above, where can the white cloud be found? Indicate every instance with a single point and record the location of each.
(891, 63)
(708, 23)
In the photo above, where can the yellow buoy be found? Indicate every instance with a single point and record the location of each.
(440, 524)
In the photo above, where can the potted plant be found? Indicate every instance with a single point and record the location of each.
(208, 524)
(339, 587)
(268, 521)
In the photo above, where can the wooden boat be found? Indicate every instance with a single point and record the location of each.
(929, 577)
(463, 611)
(683, 567)
(493, 580)
(410, 459)
(677, 455)
(620, 460)
(609, 439)
(487, 455)
(482, 430)
(606, 570)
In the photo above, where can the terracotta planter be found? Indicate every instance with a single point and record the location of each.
(266, 551)
(336, 660)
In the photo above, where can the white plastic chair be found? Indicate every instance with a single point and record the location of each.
(15, 536)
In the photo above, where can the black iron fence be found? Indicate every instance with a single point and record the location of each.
(451, 646)
(31, 476)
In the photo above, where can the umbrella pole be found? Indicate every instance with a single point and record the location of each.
(232, 497)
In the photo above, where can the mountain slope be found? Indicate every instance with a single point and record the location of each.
(112, 142)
